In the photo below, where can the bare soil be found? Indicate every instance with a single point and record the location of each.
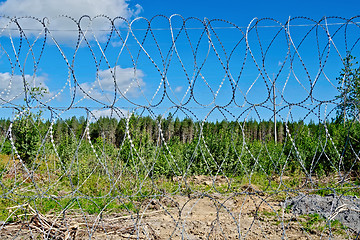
(246, 215)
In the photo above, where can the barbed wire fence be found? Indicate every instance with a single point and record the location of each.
(212, 130)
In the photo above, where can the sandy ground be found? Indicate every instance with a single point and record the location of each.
(180, 217)
(248, 214)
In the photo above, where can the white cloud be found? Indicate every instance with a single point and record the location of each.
(114, 113)
(12, 86)
(138, 10)
(128, 82)
(178, 89)
(72, 8)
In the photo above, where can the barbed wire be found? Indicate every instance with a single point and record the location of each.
(170, 127)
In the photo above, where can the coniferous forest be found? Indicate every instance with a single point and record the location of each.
(174, 147)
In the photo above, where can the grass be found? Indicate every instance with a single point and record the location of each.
(346, 189)
(12, 210)
(314, 223)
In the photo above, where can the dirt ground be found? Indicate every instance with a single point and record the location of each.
(246, 215)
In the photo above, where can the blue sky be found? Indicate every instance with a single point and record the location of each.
(139, 68)
(242, 12)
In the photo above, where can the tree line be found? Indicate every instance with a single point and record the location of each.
(172, 146)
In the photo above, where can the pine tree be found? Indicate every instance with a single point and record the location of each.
(349, 89)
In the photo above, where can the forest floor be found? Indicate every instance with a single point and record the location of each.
(250, 214)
